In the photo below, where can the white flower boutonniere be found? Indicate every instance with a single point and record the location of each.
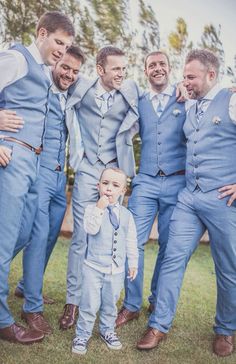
(176, 112)
(216, 120)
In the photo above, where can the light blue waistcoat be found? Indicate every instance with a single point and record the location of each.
(163, 141)
(211, 146)
(109, 245)
(28, 96)
(99, 131)
(55, 136)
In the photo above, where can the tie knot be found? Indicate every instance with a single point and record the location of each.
(106, 96)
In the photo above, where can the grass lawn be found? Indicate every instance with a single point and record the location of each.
(189, 341)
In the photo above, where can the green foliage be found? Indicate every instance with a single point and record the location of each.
(20, 17)
(178, 38)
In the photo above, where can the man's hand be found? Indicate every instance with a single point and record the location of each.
(9, 121)
(5, 156)
(103, 202)
(229, 190)
(132, 273)
(181, 93)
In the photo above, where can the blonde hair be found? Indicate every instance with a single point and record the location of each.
(117, 170)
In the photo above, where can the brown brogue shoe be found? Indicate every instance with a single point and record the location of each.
(68, 318)
(223, 345)
(20, 335)
(19, 293)
(125, 316)
(36, 321)
(151, 308)
(151, 339)
(46, 300)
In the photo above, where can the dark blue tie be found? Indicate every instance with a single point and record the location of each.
(113, 218)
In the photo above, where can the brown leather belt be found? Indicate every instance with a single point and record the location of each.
(162, 174)
(24, 144)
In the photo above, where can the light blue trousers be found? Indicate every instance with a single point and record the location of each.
(196, 211)
(17, 184)
(42, 236)
(150, 196)
(100, 292)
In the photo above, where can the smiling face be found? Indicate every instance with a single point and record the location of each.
(157, 70)
(52, 46)
(66, 72)
(112, 184)
(112, 73)
(198, 79)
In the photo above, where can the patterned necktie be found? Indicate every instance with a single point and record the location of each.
(106, 102)
(159, 108)
(113, 218)
(199, 109)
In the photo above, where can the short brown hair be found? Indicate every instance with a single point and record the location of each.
(53, 21)
(104, 52)
(76, 52)
(206, 57)
(117, 170)
(156, 53)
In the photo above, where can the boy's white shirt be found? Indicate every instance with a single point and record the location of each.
(93, 217)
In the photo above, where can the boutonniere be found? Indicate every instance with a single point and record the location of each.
(216, 120)
(176, 112)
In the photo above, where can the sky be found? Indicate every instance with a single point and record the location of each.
(197, 14)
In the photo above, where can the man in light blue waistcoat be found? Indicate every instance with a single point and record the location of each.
(161, 173)
(107, 112)
(24, 89)
(207, 202)
(51, 205)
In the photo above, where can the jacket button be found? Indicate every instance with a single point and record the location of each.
(114, 250)
(114, 256)
(195, 142)
(197, 129)
(115, 241)
(115, 233)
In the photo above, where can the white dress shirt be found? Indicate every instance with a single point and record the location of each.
(93, 217)
(14, 66)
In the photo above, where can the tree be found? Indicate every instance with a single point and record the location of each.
(178, 47)
(19, 18)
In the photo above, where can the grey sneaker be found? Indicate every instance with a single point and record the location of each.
(112, 341)
(79, 346)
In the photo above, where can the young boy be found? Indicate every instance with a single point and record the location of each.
(111, 238)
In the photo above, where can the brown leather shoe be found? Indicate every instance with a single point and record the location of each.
(36, 321)
(46, 300)
(223, 345)
(151, 339)
(151, 308)
(68, 318)
(125, 316)
(21, 335)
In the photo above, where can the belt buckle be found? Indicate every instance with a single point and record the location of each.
(161, 173)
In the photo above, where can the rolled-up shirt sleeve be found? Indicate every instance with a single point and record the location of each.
(93, 219)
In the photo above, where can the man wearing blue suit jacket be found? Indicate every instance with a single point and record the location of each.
(106, 109)
(207, 202)
(161, 174)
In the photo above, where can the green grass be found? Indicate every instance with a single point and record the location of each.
(189, 341)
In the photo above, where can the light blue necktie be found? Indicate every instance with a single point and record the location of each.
(106, 102)
(199, 109)
(112, 216)
(159, 109)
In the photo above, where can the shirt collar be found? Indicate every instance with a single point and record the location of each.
(34, 51)
(213, 92)
(100, 90)
(167, 92)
